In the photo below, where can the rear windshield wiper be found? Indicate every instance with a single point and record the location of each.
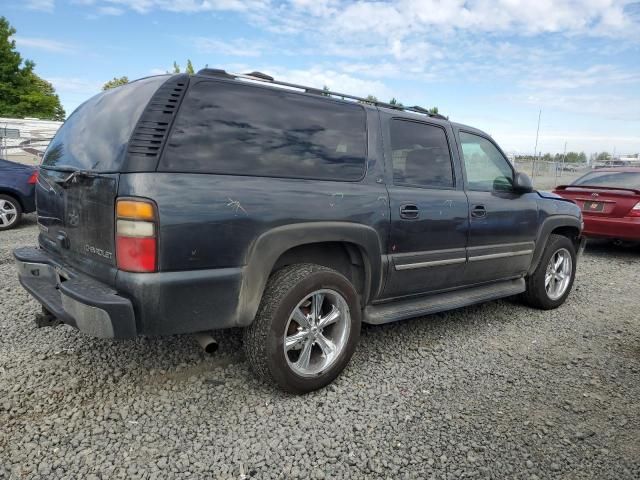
(73, 177)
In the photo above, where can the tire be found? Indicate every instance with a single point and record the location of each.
(289, 290)
(538, 295)
(9, 220)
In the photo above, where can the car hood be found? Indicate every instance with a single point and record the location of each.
(550, 195)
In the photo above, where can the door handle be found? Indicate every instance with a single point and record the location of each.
(409, 211)
(479, 211)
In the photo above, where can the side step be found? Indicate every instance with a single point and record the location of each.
(415, 307)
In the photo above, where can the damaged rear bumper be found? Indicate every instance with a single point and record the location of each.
(75, 299)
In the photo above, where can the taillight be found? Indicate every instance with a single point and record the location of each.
(136, 236)
(33, 178)
(635, 211)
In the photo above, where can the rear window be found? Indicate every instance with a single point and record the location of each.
(610, 179)
(96, 134)
(246, 130)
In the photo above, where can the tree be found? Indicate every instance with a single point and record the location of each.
(603, 157)
(115, 82)
(176, 67)
(189, 68)
(22, 92)
(395, 102)
(433, 110)
(325, 89)
(371, 99)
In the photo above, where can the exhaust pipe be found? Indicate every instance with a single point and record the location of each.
(207, 342)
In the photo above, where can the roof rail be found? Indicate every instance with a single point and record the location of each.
(263, 77)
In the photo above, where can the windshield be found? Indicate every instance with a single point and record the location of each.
(96, 134)
(610, 179)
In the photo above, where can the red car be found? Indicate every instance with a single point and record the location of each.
(610, 202)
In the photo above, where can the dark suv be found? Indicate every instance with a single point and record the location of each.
(179, 204)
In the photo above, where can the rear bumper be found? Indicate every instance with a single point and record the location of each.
(75, 299)
(163, 303)
(627, 228)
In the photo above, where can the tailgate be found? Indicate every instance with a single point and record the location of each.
(76, 220)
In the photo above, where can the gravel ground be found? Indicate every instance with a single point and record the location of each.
(491, 391)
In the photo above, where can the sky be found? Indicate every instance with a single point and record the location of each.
(489, 64)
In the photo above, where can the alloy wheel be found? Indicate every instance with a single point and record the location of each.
(558, 275)
(317, 332)
(8, 213)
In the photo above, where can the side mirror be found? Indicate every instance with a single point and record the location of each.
(522, 183)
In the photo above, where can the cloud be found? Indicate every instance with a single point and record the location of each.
(110, 10)
(239, 47)
(46, 44)
(41, 5)
(75, 85)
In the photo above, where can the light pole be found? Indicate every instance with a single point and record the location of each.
(535, 149)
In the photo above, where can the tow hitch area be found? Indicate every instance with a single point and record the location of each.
(46, 319)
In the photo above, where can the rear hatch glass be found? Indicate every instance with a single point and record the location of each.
(78, 182)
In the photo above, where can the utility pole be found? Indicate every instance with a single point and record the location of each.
(535, 149)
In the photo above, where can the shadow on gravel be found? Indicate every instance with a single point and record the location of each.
(604, 248)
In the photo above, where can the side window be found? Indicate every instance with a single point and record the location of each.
(485, 166)
(241, 129)
(420, 155)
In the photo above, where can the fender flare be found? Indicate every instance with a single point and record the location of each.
(549, 225)
(269, 246)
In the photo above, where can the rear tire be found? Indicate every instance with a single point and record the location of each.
(550, 284)
(10, 212)
(295, 344)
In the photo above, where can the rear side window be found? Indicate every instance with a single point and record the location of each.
(246, 130)
(610, 179)
(420, 155)
(96, 135)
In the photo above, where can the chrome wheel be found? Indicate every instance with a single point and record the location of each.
(317, 332)
(558, 274)
(8, 213)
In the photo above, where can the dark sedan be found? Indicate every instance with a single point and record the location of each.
(17, 192)
(610, 202)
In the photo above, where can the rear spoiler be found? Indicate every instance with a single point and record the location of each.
(595, 187)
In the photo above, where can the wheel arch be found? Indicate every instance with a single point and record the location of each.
(328, 243)
(565, 225)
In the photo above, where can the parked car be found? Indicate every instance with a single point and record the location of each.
(178, 204)
(17, 192)
(610, 201)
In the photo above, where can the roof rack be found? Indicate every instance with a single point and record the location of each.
(263, 77)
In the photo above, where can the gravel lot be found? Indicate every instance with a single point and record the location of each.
(491, 391)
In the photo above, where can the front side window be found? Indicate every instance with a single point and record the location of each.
(485, 166)
(420, 155)
(247, 130)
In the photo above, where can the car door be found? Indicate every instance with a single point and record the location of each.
(429, 209)
(502, 224)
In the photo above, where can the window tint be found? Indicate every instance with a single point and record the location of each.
(610, 179)
(486, 167)
(95, 136)
(247, 130)
(420, 155)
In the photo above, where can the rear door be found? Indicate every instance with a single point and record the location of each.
(502, 224)
(78, 182)
(429, 209)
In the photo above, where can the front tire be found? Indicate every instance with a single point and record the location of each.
(549, 286)
(306, 329)
(10, 212)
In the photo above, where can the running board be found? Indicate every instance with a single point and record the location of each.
(415, 307)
